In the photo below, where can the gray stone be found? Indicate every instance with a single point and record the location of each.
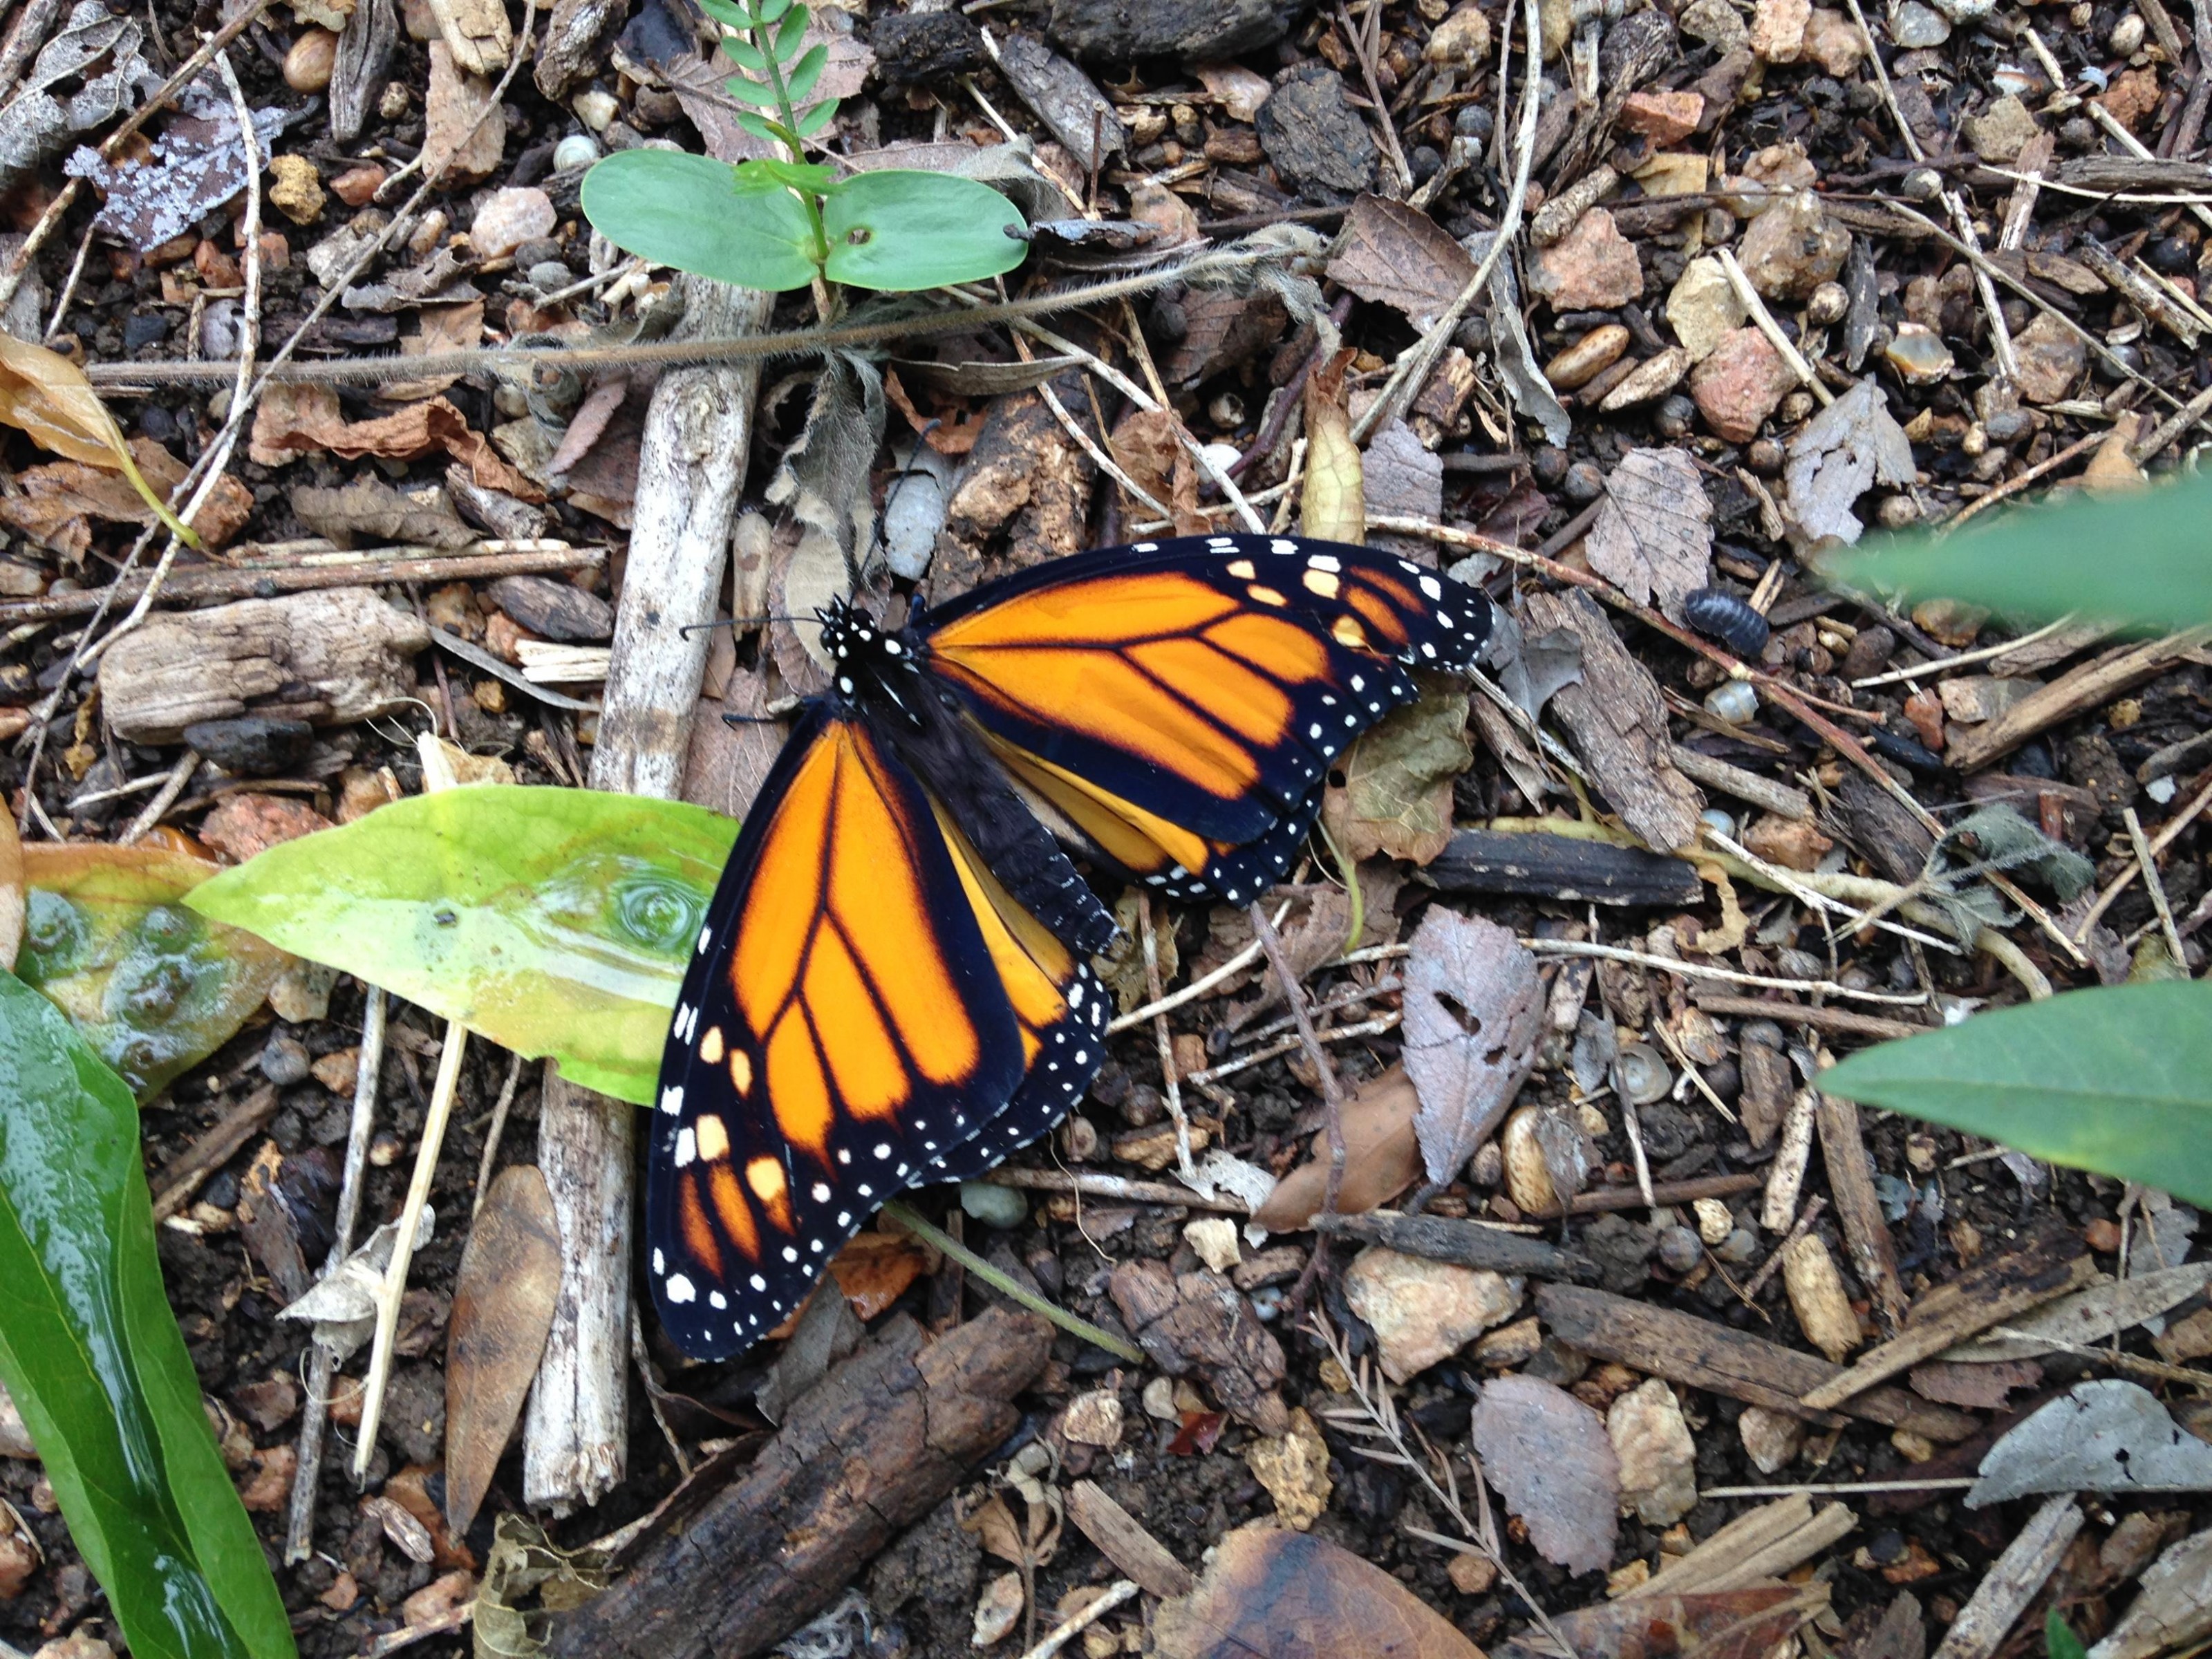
(252, 745)
(1914, 25)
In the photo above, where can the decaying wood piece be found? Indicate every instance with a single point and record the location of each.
(2093, 684)
(1619, 725)
(869, 1449)
(1986, 1294)
(1704, 1355)
(1464, 1243)
(174, 1187)
(1791, 803)
(1555, 866)
(691, 470)
(573, 34)
(1846, 1022)
(329, 658)
(365, 44)
(1767, 1542)
(1851, 1187)
(1122, 1540)
(2013, 1580)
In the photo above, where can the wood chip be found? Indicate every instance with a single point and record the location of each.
(1122, 1540)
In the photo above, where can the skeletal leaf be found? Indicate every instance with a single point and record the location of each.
(196, 166)
(503, 1302)
(1548, 1455)
(1270, 1593)
(1335, 504)
(46, 396)
(2106, 1435)
(1474, 1011)
(1654, 532)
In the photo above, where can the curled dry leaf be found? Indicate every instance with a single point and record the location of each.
(1334, 507)
(1735, 1624)
(1274, 1594)
(61, 499)
(1474, 1011)
(1550, 1458)
(1654, 532)
(503, 1301)
(1396, 796)
(305, 420)
(1382, 1157)
(46, 396)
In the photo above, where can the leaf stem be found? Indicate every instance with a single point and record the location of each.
(930, 1233)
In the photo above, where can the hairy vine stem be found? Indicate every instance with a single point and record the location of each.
(671, 354)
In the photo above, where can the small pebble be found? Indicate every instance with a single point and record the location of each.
(548, 274)
(1924, 184)
(1828, 304)
(1675, 416)
(1764, 457)
(595, 108)
(1715, 1223)
(2127, 36)
(1583, 483)
(578, 149)
(307, 66)
(284, 1060)
(2170, 254)
(393, 102)
(1680, 1249)
(1713, 819)
(1896, 512)
(1739, 1247)
(1551, 465)
(144, 328)
(510, 217)
(251, 745)
(1003, 1207)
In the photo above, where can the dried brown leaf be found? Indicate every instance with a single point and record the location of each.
(1274, 1594)
(1382, 1156)
(1396, 796)
(367, 511)
(1735, 1624)
(1551, 1459)
(303, 420)
(503, 1302)
(1837, 456)
(1474, 1011)
(46, 396)
(61, 500)
(1399, 257)
(1654, 533)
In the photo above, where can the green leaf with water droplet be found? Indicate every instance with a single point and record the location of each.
(155, 988)
(92, 1356)
(554, 921)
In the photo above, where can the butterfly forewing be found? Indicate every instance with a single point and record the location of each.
(843, 1023)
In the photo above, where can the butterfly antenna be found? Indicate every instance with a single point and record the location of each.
(890, 497)
(690, 629)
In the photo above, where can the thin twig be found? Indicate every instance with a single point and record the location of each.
(1076, 1623)
(1567, 947)
(2147, 861)
(2167, 835)
(1199, 987)
(1941, 665)
(1764, 320)
(1014, 1289)
(172, 786)
(1769, 1267)
(498, 1128)
(1170, 1082)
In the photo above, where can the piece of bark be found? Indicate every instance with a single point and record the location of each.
(1198, 1321)
(1619, 725)
(1555, 866)
(1768, 1088)
(1986, 1294)
(1851, 1189)
(872, 1448)
(1599, 1199)
(1464, 1243)
(1874, 825)
(570, 49)
(2013, 1580)
(1701, 1354)
(174, 1187)
(365, 44)
(477, 32)
(1767, 1542)
(1893, 1633)
(1743, 785)
(1122, 1540)
(2092, 684)
(328, 658)
(691, 470)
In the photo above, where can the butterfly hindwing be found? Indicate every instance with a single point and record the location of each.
(1179, 703)
(843, 1023)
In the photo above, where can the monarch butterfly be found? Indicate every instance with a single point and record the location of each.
(892, 986)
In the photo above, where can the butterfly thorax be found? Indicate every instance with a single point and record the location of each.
(873, 668)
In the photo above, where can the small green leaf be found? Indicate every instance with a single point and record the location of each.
(805, 73)
(690, 211)
(789, 176)
(813, 120)
(768, 11)
(555, 921)
(2148, 568)
(729, 17)
(92, 1355)
(757, 93)
(2116, 1080)
(897, 231)
(788, 37)
(2059, 1641)
(154, 988)
(745, 56)
(761, 127)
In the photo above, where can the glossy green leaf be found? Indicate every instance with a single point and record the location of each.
(2116, 1080)
(689, 212)
(555, 921)
(155, 988)
(2135, 558)
(901, 230)
(758, 94)
(92, 1355)
(729, 17)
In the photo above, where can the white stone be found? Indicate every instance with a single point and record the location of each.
(1214, 1239)
(1715, 1223)
(1770, 1439)
(594, 108)
(1658, 1458)
(1424, 1311)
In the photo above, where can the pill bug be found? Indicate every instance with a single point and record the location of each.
(1719, 614)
